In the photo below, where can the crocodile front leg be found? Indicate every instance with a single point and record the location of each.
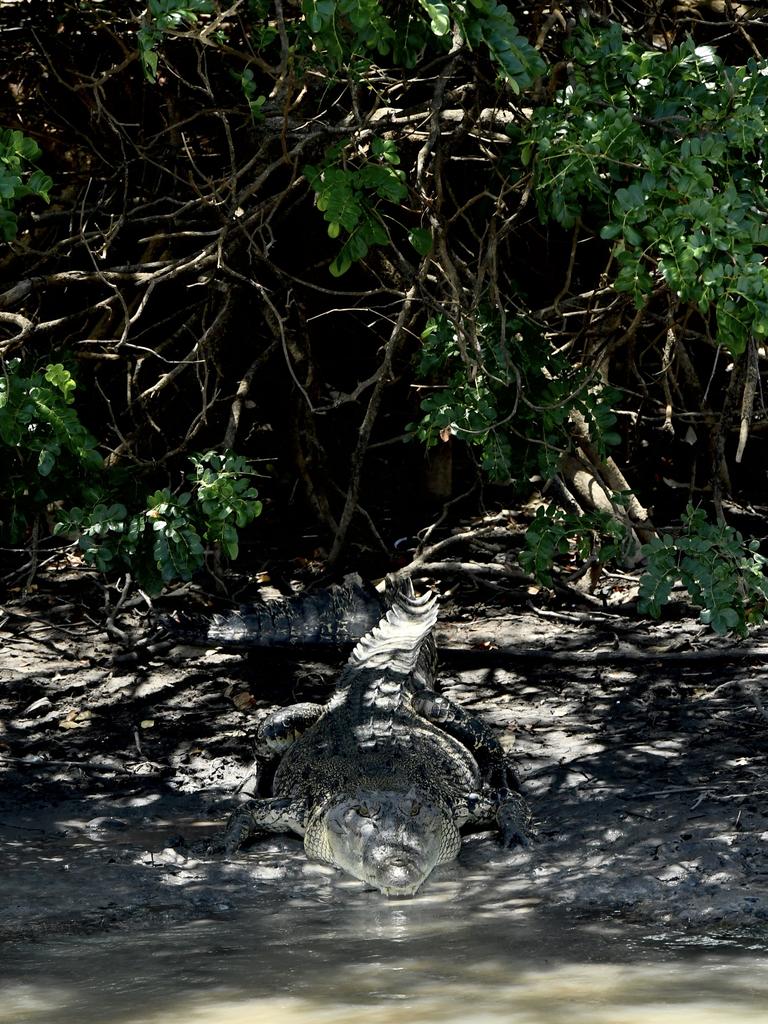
(500, 803)
(272, 814)
(503, 809)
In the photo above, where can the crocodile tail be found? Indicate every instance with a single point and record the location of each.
(402, 639)
(342, 613)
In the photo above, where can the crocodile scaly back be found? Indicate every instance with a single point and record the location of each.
(402, 639)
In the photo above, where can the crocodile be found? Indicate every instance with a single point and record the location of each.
(339, 614)
(382, 780)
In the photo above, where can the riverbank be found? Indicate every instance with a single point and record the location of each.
(641, 749)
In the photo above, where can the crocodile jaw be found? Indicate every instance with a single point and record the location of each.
(389, 840)
(394, 868)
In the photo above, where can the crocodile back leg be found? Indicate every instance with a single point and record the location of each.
(282, 728)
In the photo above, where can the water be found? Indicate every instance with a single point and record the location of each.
(364, 960)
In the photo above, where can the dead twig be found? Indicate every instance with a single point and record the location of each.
(371, 412)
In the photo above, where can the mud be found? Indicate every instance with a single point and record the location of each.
(641, 748)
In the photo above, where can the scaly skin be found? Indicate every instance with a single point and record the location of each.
(341, 614)
(380, 781)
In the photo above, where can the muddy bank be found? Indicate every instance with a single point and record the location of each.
(646, 773)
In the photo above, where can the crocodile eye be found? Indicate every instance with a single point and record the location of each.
(363, 811)
(415, 808)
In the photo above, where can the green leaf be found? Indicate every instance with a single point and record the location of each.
(10, 184)
(40, 184)
(440, 20)
(46, 461)
(341, 264)
(56, 374)
(421, 240)
(609, 231)
(8, 225)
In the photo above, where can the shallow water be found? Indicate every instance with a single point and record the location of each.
(370, 961)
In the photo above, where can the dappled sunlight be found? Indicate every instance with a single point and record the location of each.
(627, 821)
(629, 778)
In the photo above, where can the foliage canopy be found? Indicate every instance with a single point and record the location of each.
(294, 235)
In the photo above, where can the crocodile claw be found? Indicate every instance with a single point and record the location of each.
(239, 829)
(216, 848)
(513, 817)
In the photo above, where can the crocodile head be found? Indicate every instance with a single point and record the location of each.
(390, 840)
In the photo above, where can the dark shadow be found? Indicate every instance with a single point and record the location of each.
(642, 779)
